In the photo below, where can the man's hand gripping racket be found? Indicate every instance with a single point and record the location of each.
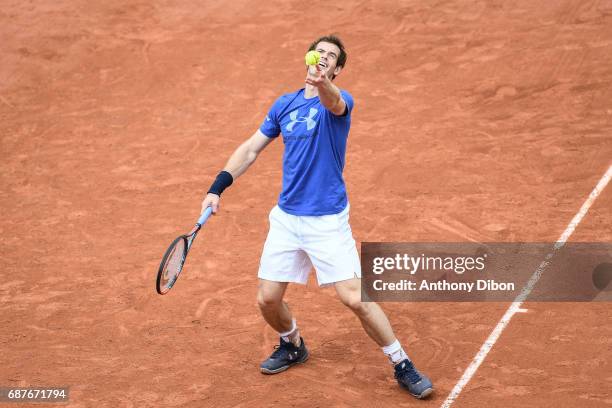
(172, 263)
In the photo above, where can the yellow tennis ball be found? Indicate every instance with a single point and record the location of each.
(312, 58)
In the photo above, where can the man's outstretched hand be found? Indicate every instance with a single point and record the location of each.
(316, 77)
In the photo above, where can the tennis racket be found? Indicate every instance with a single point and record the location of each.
(172, 263)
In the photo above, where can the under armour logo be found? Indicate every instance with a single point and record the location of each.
(310, 122)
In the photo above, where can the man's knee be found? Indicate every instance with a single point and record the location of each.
(267, 302)
(353, 302)
(269, 297)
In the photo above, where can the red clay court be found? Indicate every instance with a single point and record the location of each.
(478, 121)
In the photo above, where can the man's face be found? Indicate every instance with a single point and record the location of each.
(329, 58)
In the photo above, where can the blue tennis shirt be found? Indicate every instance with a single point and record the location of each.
(315, 147)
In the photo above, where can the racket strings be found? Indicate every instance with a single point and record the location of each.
(174, 263)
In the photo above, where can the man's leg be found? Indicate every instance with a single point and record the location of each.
(273, 309)
(372, 317)
(377, 326)
(276, 312)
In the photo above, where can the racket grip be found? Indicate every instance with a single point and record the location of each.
(204, 216)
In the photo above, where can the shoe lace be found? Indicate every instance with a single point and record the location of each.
(279, 350)
(412, 374)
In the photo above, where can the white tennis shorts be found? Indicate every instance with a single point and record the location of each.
(297, 243)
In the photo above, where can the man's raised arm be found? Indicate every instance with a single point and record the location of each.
(329, 94)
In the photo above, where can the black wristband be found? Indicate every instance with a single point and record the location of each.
(223, 181)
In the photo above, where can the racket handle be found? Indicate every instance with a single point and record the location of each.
(204, 216)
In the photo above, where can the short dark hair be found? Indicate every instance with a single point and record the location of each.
(337, 42)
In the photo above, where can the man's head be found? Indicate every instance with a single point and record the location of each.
(333, 54)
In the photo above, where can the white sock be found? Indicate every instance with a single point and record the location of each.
(291, 336)
(395, 352)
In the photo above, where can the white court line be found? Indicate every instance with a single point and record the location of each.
(515, 307)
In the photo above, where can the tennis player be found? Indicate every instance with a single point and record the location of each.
(310, 225)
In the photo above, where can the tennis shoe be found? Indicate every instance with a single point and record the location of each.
(284, 356)
(418, 385)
